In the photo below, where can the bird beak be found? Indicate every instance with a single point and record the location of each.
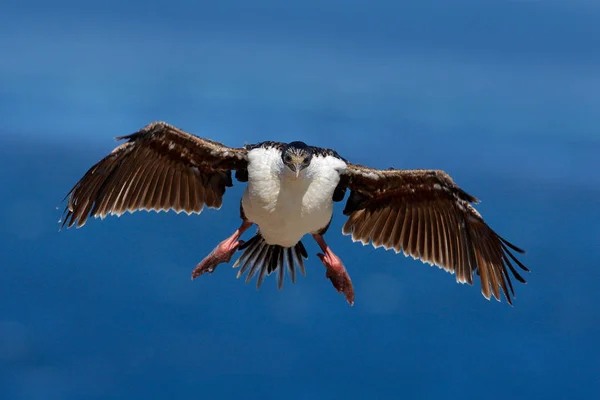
(298, 168)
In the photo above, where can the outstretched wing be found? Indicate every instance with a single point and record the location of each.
(160, 167)
(426, 215)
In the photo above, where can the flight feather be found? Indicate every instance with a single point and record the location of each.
(160, 167)
(424, 214)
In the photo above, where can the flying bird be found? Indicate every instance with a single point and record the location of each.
(290, 192)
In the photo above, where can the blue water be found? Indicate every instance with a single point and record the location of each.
(503, 95)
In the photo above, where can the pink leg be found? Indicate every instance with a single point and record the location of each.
(222, 253)
(336, 271)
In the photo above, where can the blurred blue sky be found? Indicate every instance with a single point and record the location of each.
(504, 95)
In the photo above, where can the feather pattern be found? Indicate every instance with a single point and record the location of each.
(424, 214)
(159, 168)
(264, 259)
(421, 213)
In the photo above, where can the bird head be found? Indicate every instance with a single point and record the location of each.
(296, 156)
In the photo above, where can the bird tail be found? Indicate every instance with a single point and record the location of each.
(258, 256)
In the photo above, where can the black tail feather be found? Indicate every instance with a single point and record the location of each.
(258, 256)
(289, 260)
(281, 272)
(301, 252)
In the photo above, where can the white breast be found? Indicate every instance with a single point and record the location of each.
(286, 208)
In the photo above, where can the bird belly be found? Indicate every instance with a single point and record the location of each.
(285, 216)
(286, 207)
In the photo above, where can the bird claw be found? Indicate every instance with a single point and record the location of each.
(221, 254)
(337, 274)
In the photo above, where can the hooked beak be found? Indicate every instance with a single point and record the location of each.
(297, 168)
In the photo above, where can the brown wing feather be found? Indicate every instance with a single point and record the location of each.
(427, 216)
(160, 167)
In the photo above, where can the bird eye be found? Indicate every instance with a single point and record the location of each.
(288, 158)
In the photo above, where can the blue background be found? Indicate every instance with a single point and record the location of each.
(504, 95)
